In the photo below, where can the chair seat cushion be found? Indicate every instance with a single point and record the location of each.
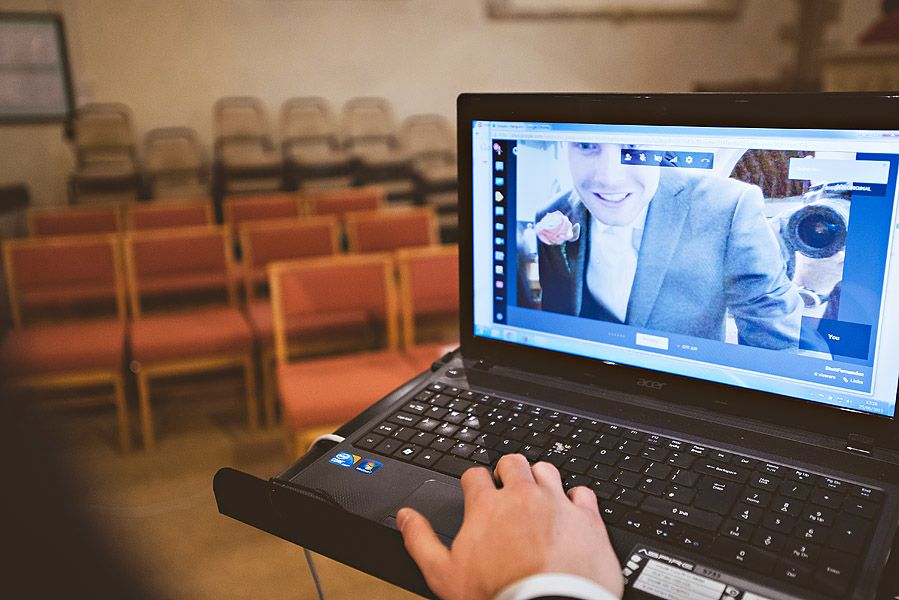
(64, 347)
(300, 327)
(189, 334)
(331, 390)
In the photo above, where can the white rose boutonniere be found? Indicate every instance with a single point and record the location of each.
(556, 229)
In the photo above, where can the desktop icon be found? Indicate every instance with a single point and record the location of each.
(498, 165)
(499, 181)
(498, 196)
(497, 148)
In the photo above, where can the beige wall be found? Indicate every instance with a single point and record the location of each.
(171, 59)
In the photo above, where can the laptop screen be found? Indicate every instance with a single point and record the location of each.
(757, 257)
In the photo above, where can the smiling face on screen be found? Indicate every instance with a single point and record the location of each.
(614, 193)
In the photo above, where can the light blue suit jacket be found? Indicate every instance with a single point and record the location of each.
(707, 248)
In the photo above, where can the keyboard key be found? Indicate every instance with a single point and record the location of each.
(719, 456)
(416, 408)
(632, 463)
(604, 489)
(763, 481)
(368, 442)
(786, 506)
(601, 472)
(833, 574)
(685, 478)
(574, 480)
(681, 460)
(866, 493)
(791, 489)
(466, 434)
(826, 497)
(657, 470)
(630, 447)
(407, 452)
(679, 494)
(802, 551)
(560, 430)
(628, 497)
(814, 534)
(818, 516)
(404, 433)
(585, 451)
(747, 514)
(757, 498)
(743, 461)
(849, 533)
(792, 571)
(633, 434)
(388, 446)
(801, 476)
(485, 456)
(679, 512)
(455, 417)
(694, 539)
(771, 469)
(832, 484)
(607, 457)
(728, 472)
(581, 436)
(611, 512)
(427, 424)
(427, 458)
(736, 530)
(780, 523)
(385, 429)
(443, 444)
(508, 446)
(453, 465)
(627, 479)
(653, 486)
(859, 508)
(635, 521)
(462, 449)
(716, 496)
(422, 438)
(655, 454)
(741, 553)
(697, 450)
(769, 540)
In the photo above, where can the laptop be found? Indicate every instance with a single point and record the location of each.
(686, 303)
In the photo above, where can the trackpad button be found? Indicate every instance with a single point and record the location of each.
(441, 503)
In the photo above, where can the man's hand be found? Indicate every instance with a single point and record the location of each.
(528, 526)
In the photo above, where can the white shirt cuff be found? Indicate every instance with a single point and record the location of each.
(555, 584)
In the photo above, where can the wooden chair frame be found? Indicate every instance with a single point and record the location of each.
(353, 219)
(136, 207)
(75, 379)
(267, 355)
(185, 366)
(33, 213)
(407, 302)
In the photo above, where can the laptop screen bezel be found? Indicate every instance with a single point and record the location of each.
(852, 111)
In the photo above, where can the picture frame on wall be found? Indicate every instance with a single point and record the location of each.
(611, 9)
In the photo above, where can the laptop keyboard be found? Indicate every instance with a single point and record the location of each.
(802, 527)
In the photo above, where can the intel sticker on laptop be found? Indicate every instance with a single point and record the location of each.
(368, 466)
(344, 459)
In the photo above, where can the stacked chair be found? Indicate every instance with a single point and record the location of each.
(67, 298)
(246, 159)
(430, 144)
(174, 164)
(314, 158)
(106, 168)
(370, 136)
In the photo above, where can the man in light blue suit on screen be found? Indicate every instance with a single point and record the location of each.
(665, 248)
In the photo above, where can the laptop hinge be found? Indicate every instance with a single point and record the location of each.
(860, 444)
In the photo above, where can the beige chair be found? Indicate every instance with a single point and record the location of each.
(106, 168)
(245, 155)
(174, 163)
(313, 157)
(429, 141)
(369, 134)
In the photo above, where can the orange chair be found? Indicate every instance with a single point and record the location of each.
(178, 267)
(74, 220)
(240, 209)
(382, 230)
(264, 242)
(78, 280)
(329, 391)
(340, 202)
(163, 214)
(429, 301)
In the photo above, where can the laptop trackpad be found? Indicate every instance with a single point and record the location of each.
(440, 503)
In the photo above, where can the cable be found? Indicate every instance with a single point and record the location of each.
(318, 584)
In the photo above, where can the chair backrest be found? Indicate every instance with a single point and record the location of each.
(74, 220)
(168, 149)
(240, 117)
(367, 119)
(391, 229)
(428, 284)
(424, 135)
(103, 126)
(163, 214)
(263, 242)
(53, 276)
(343, 201)
(168, 267)
(331, 285)
(238, 210)
(307, 118)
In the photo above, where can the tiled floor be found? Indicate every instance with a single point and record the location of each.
(159, 511)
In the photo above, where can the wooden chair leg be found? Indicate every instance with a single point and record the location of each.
(249, 369)
(268, 386)
(146, 414)
(121, 407)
